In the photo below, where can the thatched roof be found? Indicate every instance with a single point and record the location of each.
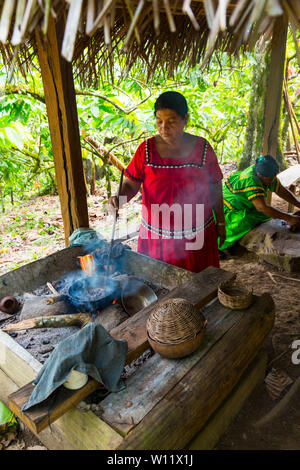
(160, 32)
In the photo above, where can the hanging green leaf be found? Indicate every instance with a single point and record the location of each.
(14, 137)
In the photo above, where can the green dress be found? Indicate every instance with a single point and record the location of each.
(239, 190)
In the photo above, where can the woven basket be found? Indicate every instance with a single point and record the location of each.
(233, 294)
(175, 328)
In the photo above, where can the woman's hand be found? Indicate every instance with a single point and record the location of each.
(128, 191)
(221, 233)
(114, 202)
(294, 222)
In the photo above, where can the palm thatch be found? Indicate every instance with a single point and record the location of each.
(162, 33)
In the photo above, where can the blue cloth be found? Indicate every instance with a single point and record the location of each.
(92, 351)
(87, 237)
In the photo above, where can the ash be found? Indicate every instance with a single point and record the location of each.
(40, 342)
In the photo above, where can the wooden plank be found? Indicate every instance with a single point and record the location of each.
(183, 411)
(199, 290)
(35, 274)
(75, 430)
(211, 433)
(62, 115)
(7, 386)
(153, 270)
(289, 176)
(125, 409)
(16, 362)
(45, 413)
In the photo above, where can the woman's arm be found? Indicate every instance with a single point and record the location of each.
(288, 196)
(129, 189)
(218, 207)
(270, 211)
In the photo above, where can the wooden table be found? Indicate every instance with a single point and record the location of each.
(167, 404)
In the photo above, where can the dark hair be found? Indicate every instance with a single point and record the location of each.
(267, 166)
(172, 100)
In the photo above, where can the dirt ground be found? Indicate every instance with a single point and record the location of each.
(276, 403)
(280, 413)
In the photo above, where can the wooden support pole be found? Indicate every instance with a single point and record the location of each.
(63, 123)
(292, 115)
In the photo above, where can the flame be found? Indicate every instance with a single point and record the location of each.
(114, 301)
(88, 264)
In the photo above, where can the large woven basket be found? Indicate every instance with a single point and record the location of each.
(175, 328)
(235, 295)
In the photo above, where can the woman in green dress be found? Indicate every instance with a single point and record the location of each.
(245, 194)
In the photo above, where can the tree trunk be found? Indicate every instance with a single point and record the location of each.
(274, 94)
(255, 123)
(262, 133)
(2, 199)
(93, 179)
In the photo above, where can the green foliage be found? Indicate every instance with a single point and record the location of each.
(119, 116)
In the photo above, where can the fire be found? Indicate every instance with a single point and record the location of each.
(114, 301)
(88, 264)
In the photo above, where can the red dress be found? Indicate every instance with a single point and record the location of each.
(177, 224)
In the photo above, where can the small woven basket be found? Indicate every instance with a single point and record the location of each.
(235, 295)
(175, 328)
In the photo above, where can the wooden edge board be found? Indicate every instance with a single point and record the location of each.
(45, 413)
(75, 430)
(218, 423)
(200, 289)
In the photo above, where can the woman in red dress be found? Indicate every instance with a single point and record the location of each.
(182, 211)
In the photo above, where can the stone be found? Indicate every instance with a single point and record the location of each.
(36, 306)
(275, 243)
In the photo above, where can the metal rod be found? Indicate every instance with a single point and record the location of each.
(113, 231)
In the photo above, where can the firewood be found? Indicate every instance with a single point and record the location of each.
(55, 321)
(287, 278)
(56, 298)
(52, 289)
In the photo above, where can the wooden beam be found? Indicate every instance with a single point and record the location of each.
(275, 86)
(209, 436)
(63, 123)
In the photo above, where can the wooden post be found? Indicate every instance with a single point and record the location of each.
(63, 123)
